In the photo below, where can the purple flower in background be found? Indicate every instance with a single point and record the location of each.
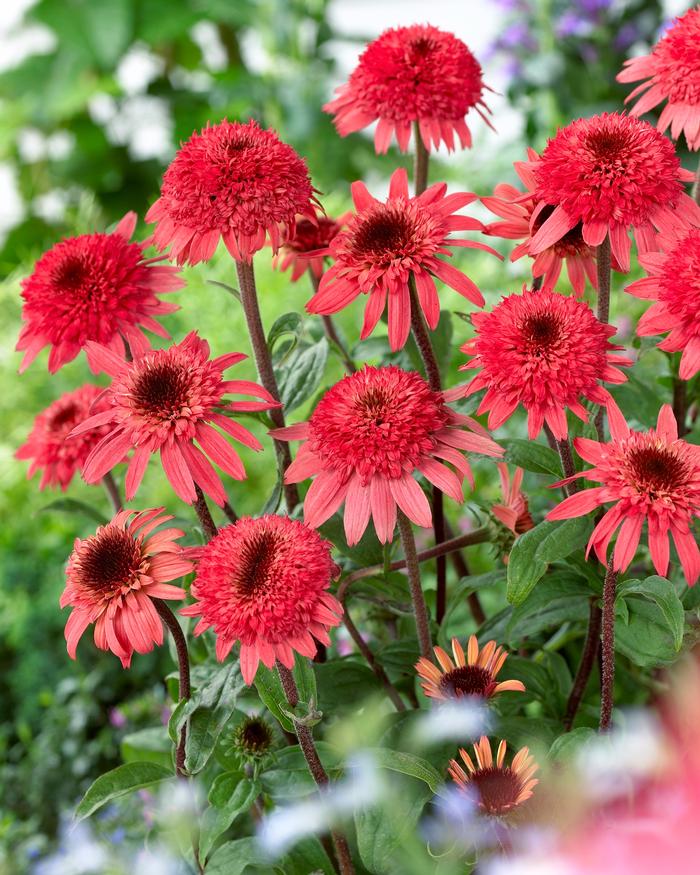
(517, 36)
(593, 7)
(117, 718)
(626, 36)
(572, 24)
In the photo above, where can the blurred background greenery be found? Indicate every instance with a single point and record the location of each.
(91, 115)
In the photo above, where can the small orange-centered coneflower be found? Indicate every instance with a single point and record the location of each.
(471, 674)
(495, 787)
(113, 576)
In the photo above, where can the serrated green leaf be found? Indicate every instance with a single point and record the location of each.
(533, 552)
(559, 597)
(121, 781)
(305, 858)
(646, 639)
(232, 858)
(271, 692)
(532, 456)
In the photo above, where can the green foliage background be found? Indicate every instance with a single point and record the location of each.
(55, 729)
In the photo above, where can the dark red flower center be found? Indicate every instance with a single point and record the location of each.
(656, 469)
(466, 680)
(253, 574)
(71, 273)
(162, 390)
(64, 417)
(308, 236)
(498, 788)
(387, 232)
(541, 332)
(109, 561)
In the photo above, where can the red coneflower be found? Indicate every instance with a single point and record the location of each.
(300, 251)
(264, 582)
(674, 283)
(48, 446)
(385, 243)
(473, 675)
(410, 74)
(112, 577)
(517, 210)
(672, 73)
(164, 401)
(514, 512)
(652, 477)
(94, 287)
(610, 173)
(495, 787)
(367, 437)
(546, 352)
(232, 181)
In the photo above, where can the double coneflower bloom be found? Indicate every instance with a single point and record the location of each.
(96, 287)
(652, 477)
(407, 75)
(368, 436)
(113, 576)
(164, 401)
(264, 582)
(388, 245)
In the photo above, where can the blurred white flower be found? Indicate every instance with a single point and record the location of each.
(138, 68)
(455, 720)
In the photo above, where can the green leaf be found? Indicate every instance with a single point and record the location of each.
(646, 639)
(560, 597)
(206, 713)
(344, 683)
(231, 795)
(72, 505)
(288, 775)
(308, 856)
(121, 781)
(271, 692)
(408, 764)
(568, 744)
(151, 745)
(660, 591)
(233, 857)
(368, 551)
(287, 324)
(533, 457)
(301, 374)
(382, 831)
(535, 550)
(109, 25)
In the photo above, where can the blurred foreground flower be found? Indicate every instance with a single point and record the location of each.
(112, 577)
(96, 287)
(412, 74)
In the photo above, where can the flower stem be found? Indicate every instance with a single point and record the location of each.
(376, 667)
(205, 518)
(603, 263)
(419, 607)
(331, 333)
(231, 514)
(680, 404)
(696, 185)
(420, 165)
(112, 491)
(432, 372)
(478, 536)
(608, 648)
(313, 761)
(588, 656)
(266, 373)
(183, 664)
(567, 460)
